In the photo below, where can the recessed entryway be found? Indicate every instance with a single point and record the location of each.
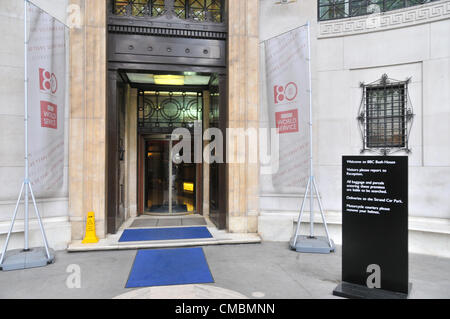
(174, 181)
(160, 171)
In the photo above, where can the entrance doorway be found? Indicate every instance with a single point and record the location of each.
(155, 104)
(170, 188)
(177, 50)
(171, 182)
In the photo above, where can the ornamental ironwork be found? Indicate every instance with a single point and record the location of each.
(160, 111)
(385, 116)
(191, 10)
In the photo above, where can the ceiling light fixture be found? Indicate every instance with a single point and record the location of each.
(169, 79)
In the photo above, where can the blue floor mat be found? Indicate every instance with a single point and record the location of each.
(168, 267)
(130, 235)
(165, 209)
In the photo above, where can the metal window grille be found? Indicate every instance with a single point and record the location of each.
(338, 9)
(196, 10)
(164, 111)
(385, 116)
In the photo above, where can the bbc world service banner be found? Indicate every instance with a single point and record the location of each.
(287, 69)
(46, 99)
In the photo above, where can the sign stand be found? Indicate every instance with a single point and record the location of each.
(36, 257)
(374, 228)
(311, 243)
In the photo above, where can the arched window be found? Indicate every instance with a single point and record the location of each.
(197, 10)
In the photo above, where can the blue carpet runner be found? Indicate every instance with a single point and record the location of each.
(133, 235)
(167, 267)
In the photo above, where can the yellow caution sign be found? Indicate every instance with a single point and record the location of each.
(91, 236)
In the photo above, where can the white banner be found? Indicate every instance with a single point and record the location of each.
(46, 99)
(288, 84)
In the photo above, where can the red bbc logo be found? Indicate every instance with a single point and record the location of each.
(49, 115)
(47, 81)
(285, 93)
(287, 122)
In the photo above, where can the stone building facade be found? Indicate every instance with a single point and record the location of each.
(411, 42)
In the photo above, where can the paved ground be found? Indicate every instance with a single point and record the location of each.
(268, 270)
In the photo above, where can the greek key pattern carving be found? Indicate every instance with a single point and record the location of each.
(430, 12)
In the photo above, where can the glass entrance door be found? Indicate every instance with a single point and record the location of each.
(157, 176)
(170, 188)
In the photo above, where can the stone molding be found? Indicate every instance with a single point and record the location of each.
(426, 13)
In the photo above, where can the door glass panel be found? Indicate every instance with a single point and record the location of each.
(214, 117)
(217, 196)
(157, 176)
(170, 187)
(184, 184)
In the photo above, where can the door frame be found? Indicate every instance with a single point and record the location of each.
(116, 100)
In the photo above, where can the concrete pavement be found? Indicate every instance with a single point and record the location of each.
(267, 270)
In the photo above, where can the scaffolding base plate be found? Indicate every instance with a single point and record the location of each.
(20, 259)
(312, 245)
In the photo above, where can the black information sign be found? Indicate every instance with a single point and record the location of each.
(375, 222)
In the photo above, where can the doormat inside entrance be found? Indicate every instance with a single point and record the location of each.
(130, 235)
(165, 209)
(168, 267)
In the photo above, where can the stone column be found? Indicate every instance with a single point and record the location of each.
(87, 117)
(243, 111)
